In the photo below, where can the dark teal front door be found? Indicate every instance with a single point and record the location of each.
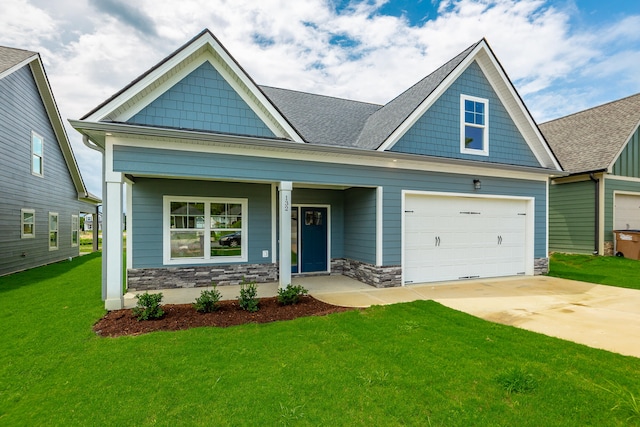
(313, 239)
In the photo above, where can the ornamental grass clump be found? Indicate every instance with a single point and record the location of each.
(291, 294)
(148, 306)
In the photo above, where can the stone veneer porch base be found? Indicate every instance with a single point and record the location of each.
(141, 279)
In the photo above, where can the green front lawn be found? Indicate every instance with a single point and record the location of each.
(406, 364)
(605, 270)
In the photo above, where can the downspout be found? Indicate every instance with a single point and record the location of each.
(596, 239)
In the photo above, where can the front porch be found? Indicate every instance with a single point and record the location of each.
(316, 285)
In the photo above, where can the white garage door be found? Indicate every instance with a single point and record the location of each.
(627, 212)
(452, 237)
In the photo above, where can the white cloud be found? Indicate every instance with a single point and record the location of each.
(89, 54)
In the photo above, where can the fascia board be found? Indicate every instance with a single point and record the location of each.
(520, 115)
(427, 103)
(134, 89)
(46, 94)
(17, 66)
(183, 55)
(284, 149)
(522, 120)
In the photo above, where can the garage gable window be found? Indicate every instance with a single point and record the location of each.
(204, 230)
(474, 125)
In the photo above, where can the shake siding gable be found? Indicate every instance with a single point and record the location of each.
(203, 101)
(21, 112)
(437, 132)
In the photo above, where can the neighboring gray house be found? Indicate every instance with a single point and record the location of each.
(227, 179)
(600, 148)
(41, 191)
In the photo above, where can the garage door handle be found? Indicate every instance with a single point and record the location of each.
(437, 241)
(499, 240)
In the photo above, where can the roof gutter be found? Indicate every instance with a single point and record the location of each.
(90, 144)
(596, 237)
(86, 128)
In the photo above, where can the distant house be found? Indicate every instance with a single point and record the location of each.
(600, 148)
(89, 223)
(42, 194)
(227, 179)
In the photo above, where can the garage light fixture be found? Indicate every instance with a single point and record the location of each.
(477, 185)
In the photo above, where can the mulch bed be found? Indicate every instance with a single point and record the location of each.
(183, 316)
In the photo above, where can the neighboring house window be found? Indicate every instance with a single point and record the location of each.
(53, 231)
(37, 154)
(474, 125)
(28, 223)
(204, 230)
(75, 226)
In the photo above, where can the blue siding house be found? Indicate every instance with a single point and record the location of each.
(228, 179)
(42, 194)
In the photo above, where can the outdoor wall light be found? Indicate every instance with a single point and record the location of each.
(477, 185)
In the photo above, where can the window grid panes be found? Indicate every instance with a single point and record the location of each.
(53, 231)
(474, 125)
(75, 225)
(37, 153)
(28, 223)
(226, 229)
(205, 230)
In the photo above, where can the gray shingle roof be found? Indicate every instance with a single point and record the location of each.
(592, 139)
(322, 119)
(386, 120)
(353, 123)
(10, 57)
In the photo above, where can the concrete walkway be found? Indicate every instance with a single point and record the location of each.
(599, 316)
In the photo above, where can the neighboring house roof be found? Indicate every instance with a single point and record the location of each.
(304, 117)
(12, 60)
(592, 140)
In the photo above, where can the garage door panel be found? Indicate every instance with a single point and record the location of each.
(448, 238)
(627, 212)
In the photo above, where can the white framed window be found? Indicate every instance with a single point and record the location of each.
(75, 230)
(27, 223)
(474, 125)
(37, 154)
(204, 230)
(53, 231)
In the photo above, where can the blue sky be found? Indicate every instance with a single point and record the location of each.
(563, 56)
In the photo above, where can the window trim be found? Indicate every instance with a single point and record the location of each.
(75, 230)
(22, 223)
(57, 231)
(208, 259)
(485, 127)
(40, 156)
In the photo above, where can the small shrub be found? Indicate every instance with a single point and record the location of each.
(291, 294)
(207, 302)
(515, 380)
(148, 306)
(248, 298)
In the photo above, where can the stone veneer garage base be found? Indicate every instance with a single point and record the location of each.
(141, 279)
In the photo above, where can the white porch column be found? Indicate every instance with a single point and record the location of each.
(112, 233)
(112, 245)
(284, 212)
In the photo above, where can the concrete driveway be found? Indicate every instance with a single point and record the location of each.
(599, 316)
